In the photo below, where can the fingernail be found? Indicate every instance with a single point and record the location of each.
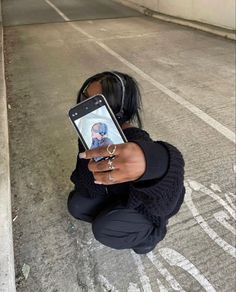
(82, 155)
(97, 182)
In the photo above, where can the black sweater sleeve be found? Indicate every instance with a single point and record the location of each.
(156, 157)
(161, 188)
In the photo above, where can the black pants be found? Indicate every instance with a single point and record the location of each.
(113, 224)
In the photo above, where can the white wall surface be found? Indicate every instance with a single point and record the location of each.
(216, 12)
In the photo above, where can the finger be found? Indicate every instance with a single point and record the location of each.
(103, 165)
(99, 152)
(108, 177)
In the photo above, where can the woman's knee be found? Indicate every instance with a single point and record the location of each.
(75, 207)
(117, 229)
(72, 204)
(103, 228)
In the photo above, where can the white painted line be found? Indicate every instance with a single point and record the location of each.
(215, 188)
(105, 283)
(133, 287)
(81, 31)
(192, 108)
(201, 188)
(145, 281)
(222, 218)
(186, 104)
(165, 273)
(174, 258)
(161, 287)
(200, 220)
(228, 197)
(57, 10)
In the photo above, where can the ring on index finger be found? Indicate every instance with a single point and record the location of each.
(111, 152)
(110, 165)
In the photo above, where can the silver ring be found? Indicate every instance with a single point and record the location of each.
(110, 166)
(111, 153)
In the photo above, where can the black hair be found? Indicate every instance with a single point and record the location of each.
(112, 90)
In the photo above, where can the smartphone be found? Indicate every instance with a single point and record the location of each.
(96, 123)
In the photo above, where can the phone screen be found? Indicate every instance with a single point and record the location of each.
(96, 124)
(98, 129)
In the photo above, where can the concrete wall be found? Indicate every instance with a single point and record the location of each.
(215, 12)
(7, 273)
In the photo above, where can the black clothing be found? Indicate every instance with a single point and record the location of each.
(115, 225)
(156, 195)
(120, 228)
(160, 190)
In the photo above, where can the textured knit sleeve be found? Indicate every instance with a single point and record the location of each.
(155, 154)
(162, 196)
(156, 158)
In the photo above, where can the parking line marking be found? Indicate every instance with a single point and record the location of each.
(186, 104)
(58, 10)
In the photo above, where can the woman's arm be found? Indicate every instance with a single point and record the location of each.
(156, 160)
(161, 187)
(155, 171)
(162, 194)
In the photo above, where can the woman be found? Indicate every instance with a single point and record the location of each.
(129, 197)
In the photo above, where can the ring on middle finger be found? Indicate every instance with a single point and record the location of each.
(110, 165)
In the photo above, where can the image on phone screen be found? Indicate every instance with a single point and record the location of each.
(98, 129)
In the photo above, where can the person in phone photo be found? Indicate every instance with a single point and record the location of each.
(99, 133)
(129, 197)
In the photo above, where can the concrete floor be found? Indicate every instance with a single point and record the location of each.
(45, 66)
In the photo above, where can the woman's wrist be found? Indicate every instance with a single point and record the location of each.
(156, 159)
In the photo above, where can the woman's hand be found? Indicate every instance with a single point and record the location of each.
(126, 164)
